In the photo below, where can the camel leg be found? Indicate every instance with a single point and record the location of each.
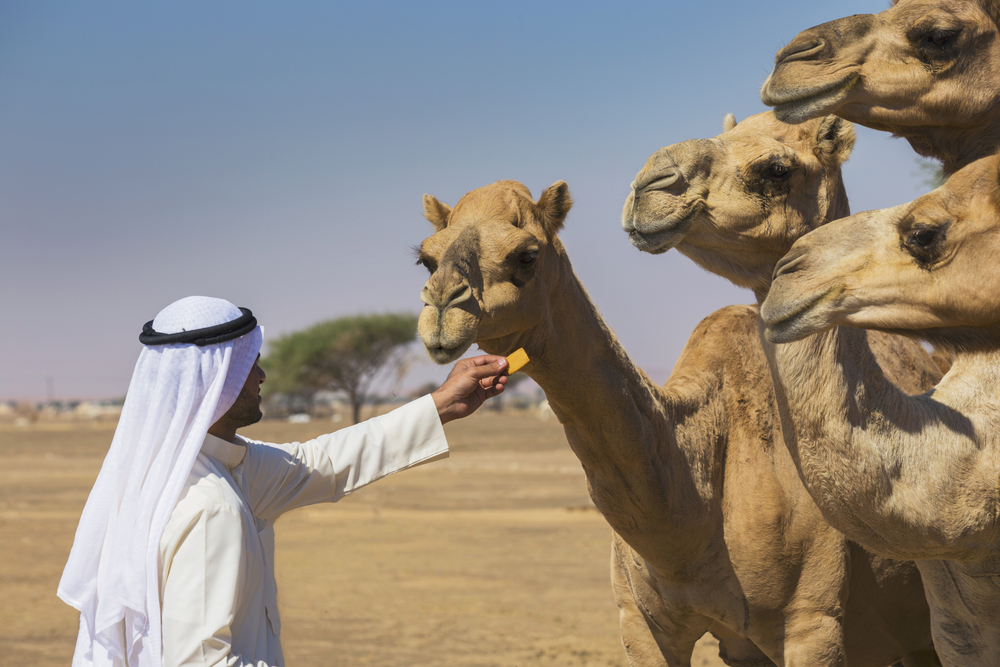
(811, 641)
(649, 641)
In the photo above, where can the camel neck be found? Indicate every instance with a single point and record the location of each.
(615, 417)
(889, 469)
(589, 379)
(954, 147)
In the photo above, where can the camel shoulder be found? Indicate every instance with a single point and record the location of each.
(724, 343)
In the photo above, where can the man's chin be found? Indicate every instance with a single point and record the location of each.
(248, 416)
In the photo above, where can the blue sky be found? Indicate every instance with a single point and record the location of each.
(275, 154)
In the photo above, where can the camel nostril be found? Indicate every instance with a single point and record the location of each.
(442, 300)
(665, 181)
(628, 212)
(460, 294)
(804, 49)
(427, 297)
(790, 263)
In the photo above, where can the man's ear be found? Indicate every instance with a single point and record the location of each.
(437, 212)
(553, 206)
(834, 141)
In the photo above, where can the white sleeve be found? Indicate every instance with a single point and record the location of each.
(202, 579)
(283, 477)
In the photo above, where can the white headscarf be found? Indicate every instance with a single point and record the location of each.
(177, 392)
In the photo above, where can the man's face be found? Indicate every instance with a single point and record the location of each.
(246, 408)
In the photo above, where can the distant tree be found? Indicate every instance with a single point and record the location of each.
(930, 172)
(347, 355)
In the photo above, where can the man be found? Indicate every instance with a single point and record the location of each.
(173, 561)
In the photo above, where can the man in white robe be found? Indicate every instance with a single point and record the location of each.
(173, 562)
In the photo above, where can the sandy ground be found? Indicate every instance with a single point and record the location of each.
(495, 556)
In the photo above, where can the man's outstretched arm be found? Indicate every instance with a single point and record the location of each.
(282, 477)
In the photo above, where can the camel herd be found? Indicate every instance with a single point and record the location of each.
(806, 486)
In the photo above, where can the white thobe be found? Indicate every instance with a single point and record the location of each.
(217, 586)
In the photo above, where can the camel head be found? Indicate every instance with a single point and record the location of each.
(490, 259)
(736, 203)
(927, 269)
(927, 70)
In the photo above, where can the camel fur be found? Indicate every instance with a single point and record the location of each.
(913, 476)
(713, 530)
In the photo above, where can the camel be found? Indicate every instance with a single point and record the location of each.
(712, 528)
(925, 70)
(916, 476)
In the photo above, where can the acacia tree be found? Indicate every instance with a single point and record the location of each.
(347, 354)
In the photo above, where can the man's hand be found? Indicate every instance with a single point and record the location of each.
(468, 386)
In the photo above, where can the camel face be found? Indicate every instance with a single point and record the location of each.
(485, 261)
(922, 66)
(736, 203)
(926, 267)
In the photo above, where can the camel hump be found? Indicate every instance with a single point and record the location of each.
(725, 338)
(904, 361)
(732, 326)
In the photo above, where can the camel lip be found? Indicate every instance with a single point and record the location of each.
(788, 321)
(445, 355)
(797, 105)
(662, 239)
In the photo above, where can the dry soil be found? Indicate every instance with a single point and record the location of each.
(493, 557)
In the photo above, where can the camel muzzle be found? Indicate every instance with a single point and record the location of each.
(445, 299)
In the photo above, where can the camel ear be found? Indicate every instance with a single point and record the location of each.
(553, 206)
(729, 122)
(992, 8)
(437, 212)
(834, 141)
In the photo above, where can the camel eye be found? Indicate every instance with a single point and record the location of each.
(428, 264)
(924, 243)
(939, 38)
(922, 238)
(524, 267)
(777, 171)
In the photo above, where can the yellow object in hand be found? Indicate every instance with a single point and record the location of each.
(517, 360)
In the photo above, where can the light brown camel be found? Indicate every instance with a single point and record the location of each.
(918, 476)
(926, 70)
(713, 530)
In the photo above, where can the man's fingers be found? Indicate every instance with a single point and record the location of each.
(484, 359)
(493, 381)
(486, 368)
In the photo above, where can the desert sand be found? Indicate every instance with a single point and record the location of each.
(493, 557)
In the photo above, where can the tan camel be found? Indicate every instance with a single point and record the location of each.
(926, 70)
(918, 476)
(713, 529)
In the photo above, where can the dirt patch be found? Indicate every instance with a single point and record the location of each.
(495, 556)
